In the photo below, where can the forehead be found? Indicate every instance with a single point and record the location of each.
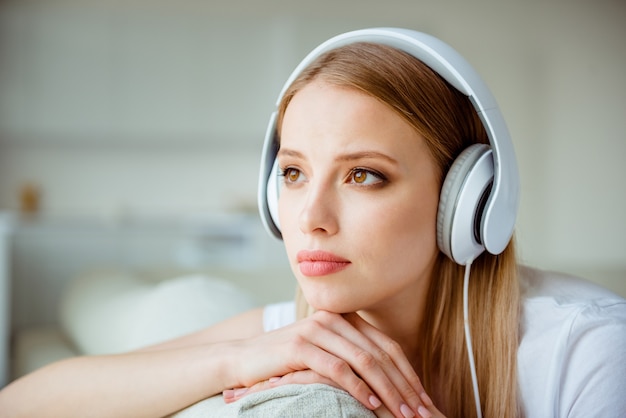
(326, 115)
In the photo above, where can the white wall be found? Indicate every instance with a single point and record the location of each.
(160, 107)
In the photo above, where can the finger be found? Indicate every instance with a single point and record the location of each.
(232, 395)
(389, 353)
(383, 412)
(311, 377)
(330, 345)
(305, 345)
(429, 410)
(357, 370)
(389, 346)
(372, 363)
(333, 367)
(302, 377)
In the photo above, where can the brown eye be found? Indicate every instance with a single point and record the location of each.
(365, 177)
(292, 174)
(359, 176)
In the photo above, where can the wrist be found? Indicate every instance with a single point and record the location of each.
(222, 366)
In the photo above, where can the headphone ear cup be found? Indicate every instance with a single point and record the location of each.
(461, 204)
(273, 191)
(269, 181)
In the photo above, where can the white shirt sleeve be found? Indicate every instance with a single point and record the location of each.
(278, 315)
(572, 355)
(593, 381)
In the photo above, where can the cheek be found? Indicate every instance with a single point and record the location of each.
(383, 232)
(287, 213)
(403, 234)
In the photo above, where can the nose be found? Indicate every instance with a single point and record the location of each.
(319, 214)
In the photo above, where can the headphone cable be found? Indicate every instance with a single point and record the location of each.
(468, 338)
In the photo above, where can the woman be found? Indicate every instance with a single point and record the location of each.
(367, 135)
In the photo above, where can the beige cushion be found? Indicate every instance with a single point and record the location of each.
(111, 312)
(314, 400)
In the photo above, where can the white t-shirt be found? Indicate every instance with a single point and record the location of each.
(572, 353)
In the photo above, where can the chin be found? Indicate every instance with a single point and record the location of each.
(332, 295)
(332, 304)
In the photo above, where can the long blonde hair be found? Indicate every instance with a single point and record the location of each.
(448, 122)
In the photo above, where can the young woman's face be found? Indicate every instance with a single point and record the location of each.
(359, 202)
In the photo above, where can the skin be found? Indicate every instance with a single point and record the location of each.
(360, 184)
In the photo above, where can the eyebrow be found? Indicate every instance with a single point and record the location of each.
(360, 155)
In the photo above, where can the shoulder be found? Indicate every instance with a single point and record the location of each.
(571, 354)
(570, 305)
(563, 288)
(278, 315)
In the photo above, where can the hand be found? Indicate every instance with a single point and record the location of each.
(341, 350)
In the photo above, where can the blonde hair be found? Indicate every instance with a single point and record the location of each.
(448, 122)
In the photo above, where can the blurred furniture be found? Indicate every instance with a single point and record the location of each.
(5, 231)
(112, 311)
(41, 258)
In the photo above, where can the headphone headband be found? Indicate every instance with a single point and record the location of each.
(501, 207)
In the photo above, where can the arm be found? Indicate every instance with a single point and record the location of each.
(246, 325)
(342, 351)
(153, 382)
(355, 357)
(165, 378)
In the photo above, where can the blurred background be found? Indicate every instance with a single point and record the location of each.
(149, 115)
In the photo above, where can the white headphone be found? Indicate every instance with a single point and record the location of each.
(480, 194)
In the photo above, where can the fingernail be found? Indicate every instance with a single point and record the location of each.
(238, 392)
(228, 394)
(274, 379)
(426, 399)
(406, 411)
(375, 402)
(424, 413)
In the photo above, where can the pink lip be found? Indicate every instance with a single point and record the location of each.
(320, 263)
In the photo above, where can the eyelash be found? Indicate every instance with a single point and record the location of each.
(284, 171)
(382, 179)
